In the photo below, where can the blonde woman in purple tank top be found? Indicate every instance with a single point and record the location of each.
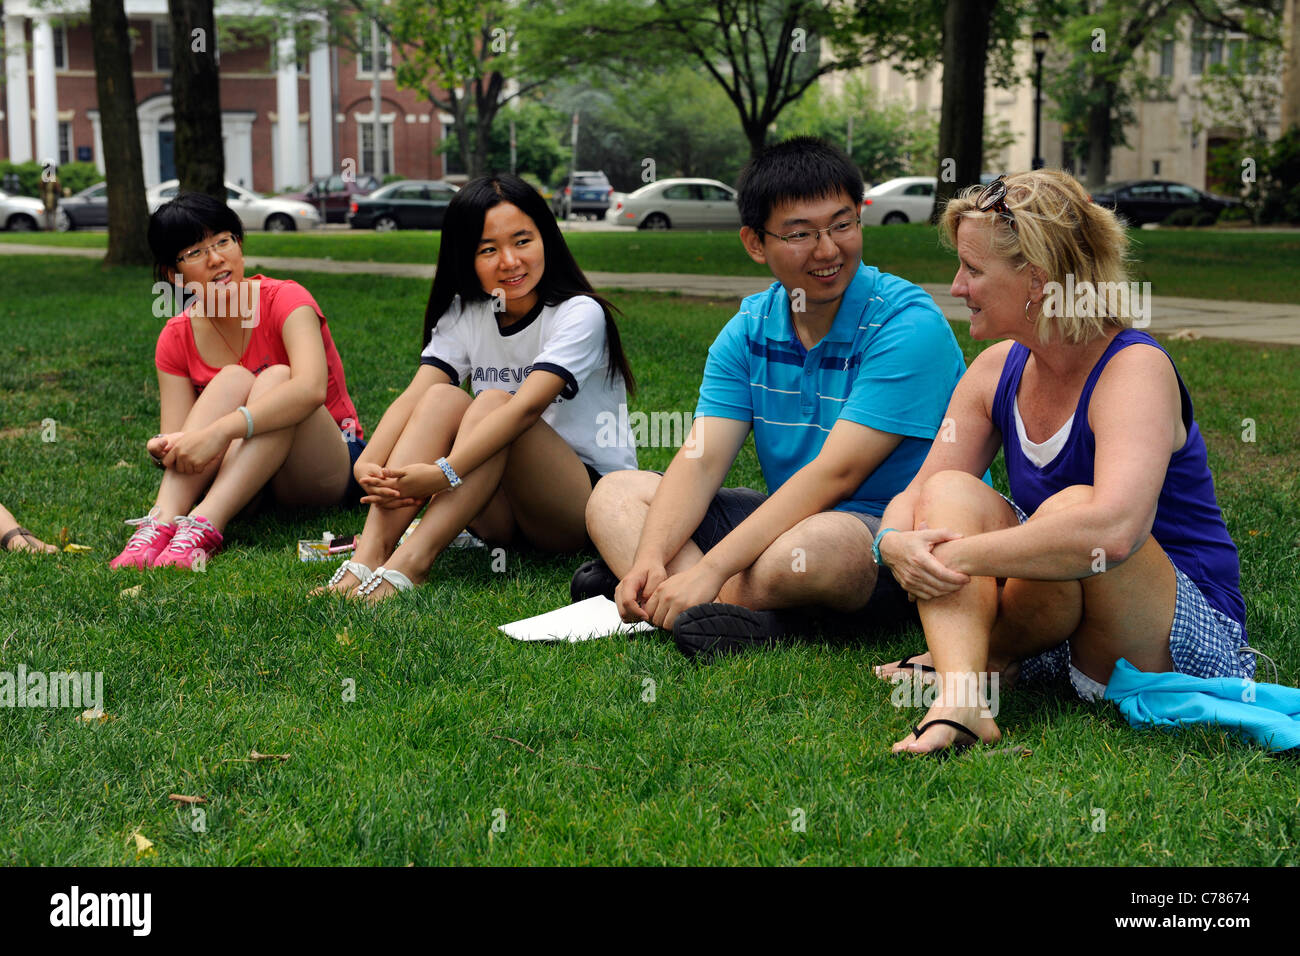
(1114, 546)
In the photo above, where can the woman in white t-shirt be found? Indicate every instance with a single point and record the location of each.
(511, 314)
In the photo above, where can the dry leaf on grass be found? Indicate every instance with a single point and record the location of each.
(183, 798)
(143, 846)
(345, 638)
(72, 548)
(94, 715)
(1186, 335)
(130, 592)
(123, 464)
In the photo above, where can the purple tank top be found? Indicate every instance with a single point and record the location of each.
(1188, 525)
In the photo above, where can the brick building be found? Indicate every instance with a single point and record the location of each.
(50, 106)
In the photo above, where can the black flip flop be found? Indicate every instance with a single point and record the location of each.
(955, 747)
(907, 662)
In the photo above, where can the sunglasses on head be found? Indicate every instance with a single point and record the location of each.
(992, 198)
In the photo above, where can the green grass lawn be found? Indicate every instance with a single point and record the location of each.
(453, 722)
(1212, 264)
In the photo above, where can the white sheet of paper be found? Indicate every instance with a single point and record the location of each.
(594, 617)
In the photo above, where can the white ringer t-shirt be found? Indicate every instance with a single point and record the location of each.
(567, 340)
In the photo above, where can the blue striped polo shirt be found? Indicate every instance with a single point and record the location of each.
(889, 362)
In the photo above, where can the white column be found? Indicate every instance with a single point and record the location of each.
(17, 108)
(322, 112)
(47, 101)
(286, 105)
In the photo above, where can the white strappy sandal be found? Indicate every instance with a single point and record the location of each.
(358, 570)
(397, 579)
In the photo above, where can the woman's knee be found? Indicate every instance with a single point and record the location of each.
(441, 398)
(269, 378)
(960, 489)
(233, 379)
(1070, 497)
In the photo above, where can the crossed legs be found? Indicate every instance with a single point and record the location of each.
(1126, 611)
(823, 561)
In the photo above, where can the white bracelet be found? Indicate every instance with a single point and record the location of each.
(453, 479)
(248, 432)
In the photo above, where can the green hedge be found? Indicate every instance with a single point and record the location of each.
(74, 177)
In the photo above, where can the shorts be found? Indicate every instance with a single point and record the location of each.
(353, 492)
(1203, 642)
(731, 506)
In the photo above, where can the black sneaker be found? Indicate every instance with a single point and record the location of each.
(710, 629)
(592, 579)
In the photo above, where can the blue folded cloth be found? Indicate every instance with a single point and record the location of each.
(1268, 714)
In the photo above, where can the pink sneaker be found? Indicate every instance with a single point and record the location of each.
(149, 540)
(194, 542)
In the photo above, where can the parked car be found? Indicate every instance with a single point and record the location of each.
(1154, 200)
(406, 204)
(332, 196)
(905, 199)
(254, 210)
(85, 210)
(21, 213)
(678, 204)
(582, 194)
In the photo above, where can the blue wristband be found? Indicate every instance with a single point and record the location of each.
(453, 479)
(875, 547)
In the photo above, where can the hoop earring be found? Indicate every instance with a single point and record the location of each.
(1028, 303)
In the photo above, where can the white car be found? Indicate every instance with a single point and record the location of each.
(254, 211)
(677, 204)
(906, 199)
(21, 213)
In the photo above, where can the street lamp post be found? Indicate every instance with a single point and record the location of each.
(1040, 50)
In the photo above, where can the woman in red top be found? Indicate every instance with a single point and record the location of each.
(251, 387)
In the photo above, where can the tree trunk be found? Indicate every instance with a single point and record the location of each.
(756, 133)
(196, 98)
(128, 213)
(1099, 136)
(961, 120)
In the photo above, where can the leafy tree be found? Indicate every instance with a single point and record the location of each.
(763, 54)
(888, 140)
(1105, 70)
(975, 40)
(661, 123)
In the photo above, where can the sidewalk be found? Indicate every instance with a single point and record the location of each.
(1201, 318)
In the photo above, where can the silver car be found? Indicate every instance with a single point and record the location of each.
(677, 204)
(254, 211)
(21, 213)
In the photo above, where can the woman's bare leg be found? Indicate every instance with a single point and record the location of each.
(537, 487)
(1108, 615)
(426, 437)
(20, 542)
(229, 389)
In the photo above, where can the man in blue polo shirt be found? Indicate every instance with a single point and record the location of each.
(843, 373)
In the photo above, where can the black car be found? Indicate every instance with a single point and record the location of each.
(1154, 200)
(408, 204)
(582, 194)
(86, 210)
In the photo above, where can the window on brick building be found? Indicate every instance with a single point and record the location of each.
(60, 47)
(65, 143)
(1167, 58)
(162, 46)
(366, 58)
(365, 146)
